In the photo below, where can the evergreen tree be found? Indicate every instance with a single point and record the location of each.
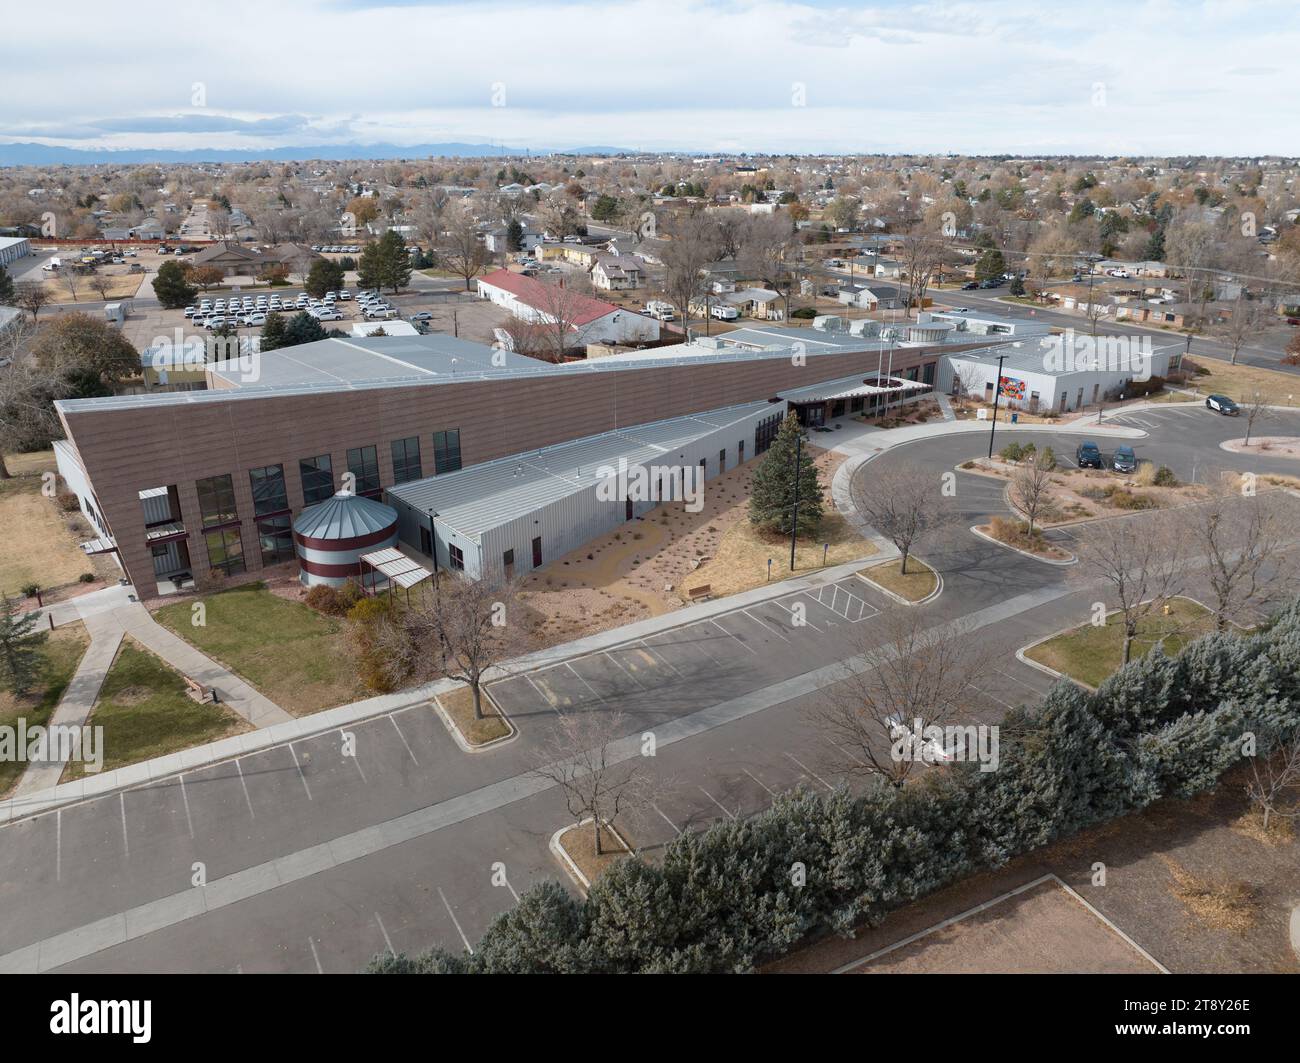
(272, 332)
(771, 499)
(6, 287)
(514, 235)
(605, 208)
(324, 276)
(19, 660)
(385, 263)
(990, 265)
(303, 328)
(1017, 285)
(172, 286)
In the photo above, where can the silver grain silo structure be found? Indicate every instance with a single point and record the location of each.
(331, 536)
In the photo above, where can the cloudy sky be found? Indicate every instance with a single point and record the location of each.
(987, 76)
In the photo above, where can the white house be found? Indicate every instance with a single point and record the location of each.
(589, 320)
(616, 273)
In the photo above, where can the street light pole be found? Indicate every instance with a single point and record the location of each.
(997, 394)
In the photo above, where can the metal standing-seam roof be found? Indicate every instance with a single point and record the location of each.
(345, 516)
(485, 496)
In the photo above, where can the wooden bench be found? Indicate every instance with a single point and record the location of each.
(203, 695)
(699, 593)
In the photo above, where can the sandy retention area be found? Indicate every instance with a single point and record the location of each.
(632, 573)
(1266, 446)
(1041, 931)
(1069, 505)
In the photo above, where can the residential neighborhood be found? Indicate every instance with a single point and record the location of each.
(580, 527)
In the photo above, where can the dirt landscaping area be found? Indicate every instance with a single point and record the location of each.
(1194, 883)
(1043, 930)
(1082, 494)
(458, 704)
(917, 583)
(648, 566)
(39, 545)
(579, 844)
(1265, 446)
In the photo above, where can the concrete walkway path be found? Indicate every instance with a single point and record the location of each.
(109, 616)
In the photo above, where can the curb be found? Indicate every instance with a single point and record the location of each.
(1007, 546)
(938, 584)
(465, 744)
(567, 861)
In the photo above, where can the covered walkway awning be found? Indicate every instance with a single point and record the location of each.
(98, 546)
(396, 567)
(840, 389)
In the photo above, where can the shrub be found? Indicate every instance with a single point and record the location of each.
(68, 502)
(325, 599)
(1012, 452)
(804, 313)
(1164, 477)
(31, 590)
(86, 577)
(1122, 498)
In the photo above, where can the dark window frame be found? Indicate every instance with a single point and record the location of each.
(446, 451)
(317, 489)
(211, 491)
(406, 467)
(368, 480)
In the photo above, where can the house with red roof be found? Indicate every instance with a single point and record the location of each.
(586, 319)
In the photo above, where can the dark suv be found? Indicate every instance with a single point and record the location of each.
(1088, 456)
(1124, 460)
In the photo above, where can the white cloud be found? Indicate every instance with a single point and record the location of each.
(994, 76)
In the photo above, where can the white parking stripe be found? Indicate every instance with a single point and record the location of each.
(247, 800)
(58, 844)
(542, 694)
(584, 682)
(765, 625)
(186, 799)
(676, 829)
(456, 922)
(724, 808)
(293, 753)
(734, 636)
(387, 941)
(770, 791)
(810, 772)
(315, 956)
(622, 668)
(126, 845)
(403, 738)
(660, 658)
(357, 761)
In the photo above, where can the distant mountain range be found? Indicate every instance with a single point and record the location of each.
(31, 154)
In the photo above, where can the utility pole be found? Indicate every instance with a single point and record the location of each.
(997, 394)
(794, 528)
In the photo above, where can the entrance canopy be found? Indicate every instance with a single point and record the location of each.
(396, 567)
(852, 388)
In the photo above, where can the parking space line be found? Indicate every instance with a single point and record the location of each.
(185, 797)
(541, 693)
(393, 720)
(989, 694)
(303, 777)
(850, 754)
(314, 955)
(126, 844)
(698, 644)
(770, 791)
(734, 636)
(511, 888)
(805, 622)
(1017, 679)
(584, 682)
(676, 829)
(387, 941)
(623, 669)
(724, 808)
(658, 656)
(809, 771)
(58, 844)
(247, 800)
(765, 625)
(357, 761)
(468, 947)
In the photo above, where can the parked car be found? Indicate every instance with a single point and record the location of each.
(1223, 405)
(970, 286)
(328, 315)
(1088, 455)
(422, 315)
(1124, 460)
(992, 282)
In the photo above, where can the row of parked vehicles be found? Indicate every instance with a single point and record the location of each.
(336, 249)
(1088, 456)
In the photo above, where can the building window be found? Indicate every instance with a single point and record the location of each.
(722, 460)
(446, 451)
(928, 370)
(456, 555)
(225, 551)
(765, 433)
(406, 459)
(269, 495)
(363, 464)
(217, 500)
(275, 536)
(317, 479)
(508, 563)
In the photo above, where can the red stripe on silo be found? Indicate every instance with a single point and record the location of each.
(346, 544)
(318, 569)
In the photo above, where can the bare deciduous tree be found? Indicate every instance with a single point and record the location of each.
(694, 244)
(459, 246)
(903, 503)
(1031, 485)
(1274, 782)
(1247, 320)
(460, 629)
(1238, 536)
(1141, 561)
(598, 766)
(916, 678)
(1257, 410)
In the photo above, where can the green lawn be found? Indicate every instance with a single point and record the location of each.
(61, 654)
(1090, 654)
(297, 657)
(145, 712)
